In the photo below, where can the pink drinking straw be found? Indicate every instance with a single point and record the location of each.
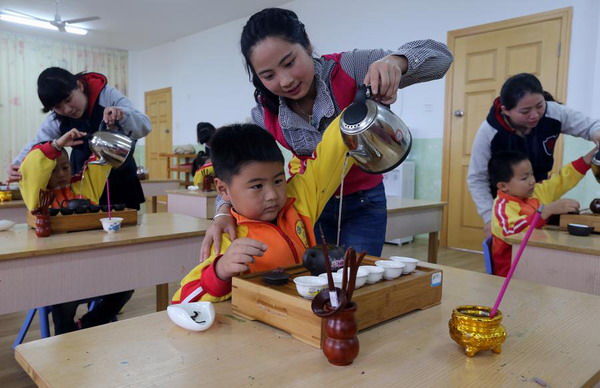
(513, 266)
(108, 197)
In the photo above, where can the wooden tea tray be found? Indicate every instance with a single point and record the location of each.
(589, 219)
(283, 308)
(85, 221)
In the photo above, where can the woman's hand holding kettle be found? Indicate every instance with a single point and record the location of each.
(112, 115)
(384, 78)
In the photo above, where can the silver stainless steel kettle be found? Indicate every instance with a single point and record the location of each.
(111, 147)
(378, 139)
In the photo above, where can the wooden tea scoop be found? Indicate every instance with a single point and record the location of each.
(330, 284)
(345, 273)
(321, 305)
(354, 273)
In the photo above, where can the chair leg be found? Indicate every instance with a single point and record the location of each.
(44, 324)
(24, 328)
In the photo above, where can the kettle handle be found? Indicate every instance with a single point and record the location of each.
(363, 92)
(104, 127)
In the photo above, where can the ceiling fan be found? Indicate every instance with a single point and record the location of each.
(62, 25)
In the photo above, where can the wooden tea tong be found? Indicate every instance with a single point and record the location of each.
(352, 262)
(45, 198)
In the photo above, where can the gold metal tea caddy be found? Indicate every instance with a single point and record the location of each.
(472, 328)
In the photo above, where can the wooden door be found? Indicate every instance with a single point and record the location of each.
(160, 140)
(484, 57)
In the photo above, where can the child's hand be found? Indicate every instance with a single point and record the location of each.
(237, 256)
(587, 158)
(70, 138)
(111, 115)
(562, 206)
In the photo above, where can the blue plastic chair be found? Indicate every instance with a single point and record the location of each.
(43, 313)
(487, 255)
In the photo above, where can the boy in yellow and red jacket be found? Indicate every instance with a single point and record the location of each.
(274, 218)
(47, 167)
(519, 197)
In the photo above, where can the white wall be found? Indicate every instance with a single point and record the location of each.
(210, 84)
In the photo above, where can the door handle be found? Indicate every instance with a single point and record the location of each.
(459, 113)
(167, 130)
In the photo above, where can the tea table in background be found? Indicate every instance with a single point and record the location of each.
(409, 217)
(553, 337)
(14, 210)
(154, 187)
(35, 272)
(556, 258)
(192, 203)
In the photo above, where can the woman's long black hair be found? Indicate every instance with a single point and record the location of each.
(517, 86)
(55, 84)
(270, 22)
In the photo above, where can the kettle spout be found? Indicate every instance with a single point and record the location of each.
(100, 162)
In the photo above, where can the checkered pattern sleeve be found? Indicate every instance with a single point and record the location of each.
(427, 60)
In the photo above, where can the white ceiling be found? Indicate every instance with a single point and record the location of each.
(134, 24)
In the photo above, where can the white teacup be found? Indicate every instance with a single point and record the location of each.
(361, 276)
(111, 225)
(393, 269)
(309, 286)
(411, 264)
(375, 273)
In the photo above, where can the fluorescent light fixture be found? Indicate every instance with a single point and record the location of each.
(39, 23)
(75, 30)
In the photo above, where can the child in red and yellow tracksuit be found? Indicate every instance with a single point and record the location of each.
(519, 196)
(274, 218)
(47, 167)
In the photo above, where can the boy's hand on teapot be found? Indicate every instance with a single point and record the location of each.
(587, 158)
(238, 255)
(71, 138)
(384, 77)
(13, 173)
(562, 206)
(111, 115)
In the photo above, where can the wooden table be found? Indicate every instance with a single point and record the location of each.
(552, 336)
(409, 217)
(558, 259)
(192, 203)
(14, 210)
(35, 272)
(155, 187)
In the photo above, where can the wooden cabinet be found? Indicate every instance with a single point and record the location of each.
(178, 165)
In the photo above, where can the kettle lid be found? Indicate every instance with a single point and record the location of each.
(360, 113)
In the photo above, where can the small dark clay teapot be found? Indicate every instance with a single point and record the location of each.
(595, 206)
(75, 203)
(314, 259)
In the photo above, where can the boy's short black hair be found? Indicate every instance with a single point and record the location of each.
(234, 146)
(500, 166)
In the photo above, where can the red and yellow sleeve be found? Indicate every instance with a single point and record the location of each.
(204, 276)
(557, 185)
(508, 220)
(322, 175)
(36, 171)
(90, 184)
